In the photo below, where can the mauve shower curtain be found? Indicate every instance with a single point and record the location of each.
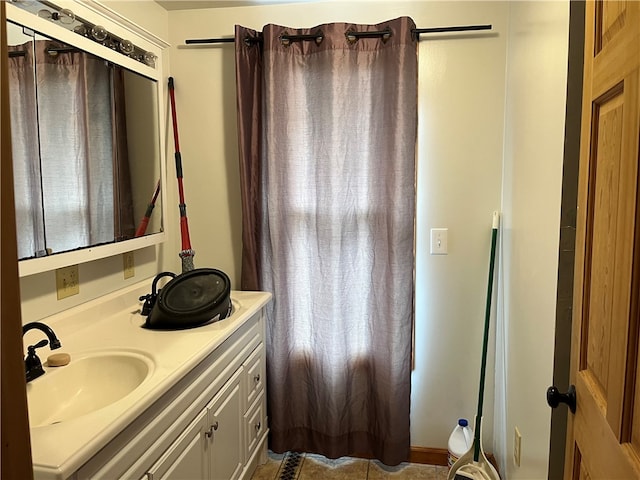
(327, 141)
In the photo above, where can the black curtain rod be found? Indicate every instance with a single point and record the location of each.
(54, 50)
(51, 50)
(416, 31)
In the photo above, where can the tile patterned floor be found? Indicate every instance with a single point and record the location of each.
(306, 466)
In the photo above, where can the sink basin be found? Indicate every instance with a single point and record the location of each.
(88, 383)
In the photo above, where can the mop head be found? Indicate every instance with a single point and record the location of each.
(187, 260)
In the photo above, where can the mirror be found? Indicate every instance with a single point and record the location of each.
(86, 148)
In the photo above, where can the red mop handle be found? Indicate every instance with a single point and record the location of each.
(184, 225)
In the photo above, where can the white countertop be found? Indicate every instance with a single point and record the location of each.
(114, 323)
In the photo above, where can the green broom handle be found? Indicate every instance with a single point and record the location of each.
(487, 315)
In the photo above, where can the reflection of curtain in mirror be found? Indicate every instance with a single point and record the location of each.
(26, 168)
(80, 164)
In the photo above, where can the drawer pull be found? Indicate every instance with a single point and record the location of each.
(258, 425)
(209, 433)
(257, 378)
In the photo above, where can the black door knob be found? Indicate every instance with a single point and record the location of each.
(555, 398)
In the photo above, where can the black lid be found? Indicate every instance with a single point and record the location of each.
(192, 299)
(194, 291)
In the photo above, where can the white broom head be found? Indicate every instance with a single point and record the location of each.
(467, 468)
(476, 471)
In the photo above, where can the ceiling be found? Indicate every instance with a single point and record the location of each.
(192, 4)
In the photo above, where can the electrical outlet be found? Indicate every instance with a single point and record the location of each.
(67, 281)
(128, 265)
(517, 447)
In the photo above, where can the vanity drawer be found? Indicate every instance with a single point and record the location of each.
(255, 426)
(255, 374)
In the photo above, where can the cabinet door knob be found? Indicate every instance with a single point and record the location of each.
(209, 433)
(258, 425)
(257, 378)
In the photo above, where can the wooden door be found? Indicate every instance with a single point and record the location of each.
(603, 439)
(15, 454)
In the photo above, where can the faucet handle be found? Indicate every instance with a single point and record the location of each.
(31, 349)
(32, 364)
(149, 301)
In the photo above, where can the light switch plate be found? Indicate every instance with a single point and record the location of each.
(439, 237)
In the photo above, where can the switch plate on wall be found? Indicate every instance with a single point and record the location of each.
(439, 241)
(67, 281)
(517, 447)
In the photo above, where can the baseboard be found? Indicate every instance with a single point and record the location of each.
(428, 456)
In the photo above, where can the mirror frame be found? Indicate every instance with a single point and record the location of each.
(99, 14)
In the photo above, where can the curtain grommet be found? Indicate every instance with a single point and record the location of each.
(285, 40)
(353, 36)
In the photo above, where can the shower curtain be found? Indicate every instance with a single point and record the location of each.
(327, 132)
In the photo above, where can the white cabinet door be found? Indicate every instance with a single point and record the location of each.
(186, 459)
(225, 417)
(211, 447)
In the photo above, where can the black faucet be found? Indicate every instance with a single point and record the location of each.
(32, 364)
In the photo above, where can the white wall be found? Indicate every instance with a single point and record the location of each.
(461, 110)
(534, 138)
(145, 13)
(38, 293)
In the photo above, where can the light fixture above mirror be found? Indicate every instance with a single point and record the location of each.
(98, 33)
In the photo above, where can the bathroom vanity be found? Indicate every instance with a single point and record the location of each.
(165, 404)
